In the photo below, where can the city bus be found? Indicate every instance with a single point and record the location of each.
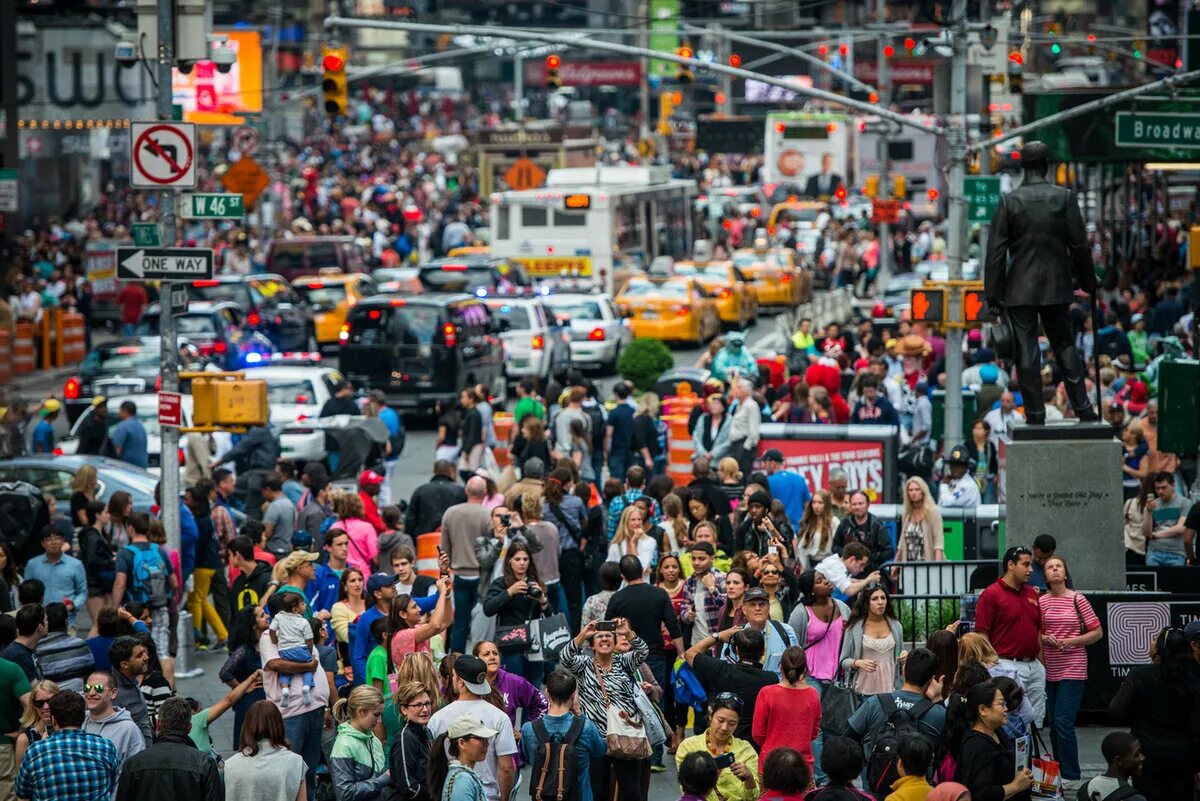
(588, 224)
(794, 145)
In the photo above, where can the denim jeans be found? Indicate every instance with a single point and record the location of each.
(1164, 558)
(618, 464)
(819, 777)
(304, 735)
(518, 665)
(658, 666)
(466, 590)
(1063, 699)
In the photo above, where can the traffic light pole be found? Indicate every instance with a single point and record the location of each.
(956, 139)
(168, 347)
(883, 77)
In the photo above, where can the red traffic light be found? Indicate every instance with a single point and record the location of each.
(844, 49)
(823, 50)
(1091, 37)
(685, 52)
(933, 194)
(888, 51)
(840, 193)
(871, 98)
(553, 61)
(909, 43)
(333, 63)
(735, 60)
(1016, 58)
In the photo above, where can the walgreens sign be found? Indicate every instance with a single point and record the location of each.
(588, 73)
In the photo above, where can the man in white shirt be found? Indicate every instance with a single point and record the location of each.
(1002, 419)
(743, 429)
(958, 490)
(470, 681)
(838, 568)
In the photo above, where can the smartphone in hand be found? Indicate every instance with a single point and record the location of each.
(725, 760)
(606, 625)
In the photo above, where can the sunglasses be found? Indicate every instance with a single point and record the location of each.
(40, 702)
(771, 573)
(730, 699)
(98, 689)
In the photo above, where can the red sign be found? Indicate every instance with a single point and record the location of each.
(588, 73)
(885, 211)
(902, 71)
(170, 409)
(813, 459)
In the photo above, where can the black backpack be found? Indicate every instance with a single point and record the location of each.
(1120, 794)
(554, 770)
(899, 724)
(599, 429)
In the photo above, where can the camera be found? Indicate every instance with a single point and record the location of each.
(223, 57)
(535, 591)
(126, 53)
(506, 520)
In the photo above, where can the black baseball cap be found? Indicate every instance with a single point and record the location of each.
(773, 455)
(473, 672)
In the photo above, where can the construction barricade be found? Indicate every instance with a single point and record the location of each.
(23, 349)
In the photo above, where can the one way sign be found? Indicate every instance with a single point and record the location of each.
(164, 264)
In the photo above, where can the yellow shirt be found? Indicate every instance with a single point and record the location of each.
(720, 562)
(729, 787)
(909, 788)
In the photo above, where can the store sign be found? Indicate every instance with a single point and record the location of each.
(863, 461)
(211, 97)
(587, 73)
(901, 72)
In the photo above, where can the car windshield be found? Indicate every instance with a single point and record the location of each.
(468, 279)
(517, 316)
(578, 310)
(322, 296)
(395, 325)
(668, 289)
(196, 325)
(217, 291)
(126, 358)
(290, 390)
(749, 260)
(265, 289)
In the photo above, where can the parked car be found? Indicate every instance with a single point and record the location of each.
(53, 474)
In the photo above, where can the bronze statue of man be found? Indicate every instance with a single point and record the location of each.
(1037, 255)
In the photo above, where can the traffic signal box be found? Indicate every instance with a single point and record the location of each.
(683, 72)
(553, 62)
(227, 400)
(931, 304)
(333, 81)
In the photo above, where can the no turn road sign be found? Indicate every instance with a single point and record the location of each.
(163, 155)
(164, 264)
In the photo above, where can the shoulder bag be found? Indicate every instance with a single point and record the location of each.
(625, 734)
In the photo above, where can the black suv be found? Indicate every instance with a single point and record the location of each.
(423, 349)
(271, 306)
(472, 273)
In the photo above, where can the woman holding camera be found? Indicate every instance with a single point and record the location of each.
(515, 598)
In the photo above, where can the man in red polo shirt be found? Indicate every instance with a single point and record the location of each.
(1008, 614)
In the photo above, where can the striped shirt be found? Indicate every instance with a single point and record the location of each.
(620, 681)
(1060, 619)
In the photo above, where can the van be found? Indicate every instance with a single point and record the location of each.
(423, 349)
(308, 255)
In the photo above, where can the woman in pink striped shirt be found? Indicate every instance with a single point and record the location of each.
(1068, 626)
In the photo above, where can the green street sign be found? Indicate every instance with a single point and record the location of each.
(1148, 129)
(212, 206)
(147, 235)
(983, 195)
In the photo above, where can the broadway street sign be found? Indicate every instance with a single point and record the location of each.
(164, 264)
(1148, 129)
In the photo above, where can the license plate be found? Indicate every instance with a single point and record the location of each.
(114, 390)
(649, 315)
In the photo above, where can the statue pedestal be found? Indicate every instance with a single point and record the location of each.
(1065, 480)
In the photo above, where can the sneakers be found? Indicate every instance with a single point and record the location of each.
(285, 696)
(658, 767)
(307, 693)
(219, 645)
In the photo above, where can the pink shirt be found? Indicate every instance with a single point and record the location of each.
(364, 543)
(1060, 618)
(824, 647)
(404, 642)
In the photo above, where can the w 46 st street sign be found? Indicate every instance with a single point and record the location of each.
(1148, 129)
(212, 206)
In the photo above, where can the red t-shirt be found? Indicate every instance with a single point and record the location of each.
(132, 299)
(1011, 620)
(787, 717)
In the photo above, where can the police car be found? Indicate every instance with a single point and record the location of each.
(297, 388)
(535, 344)
(595, 328)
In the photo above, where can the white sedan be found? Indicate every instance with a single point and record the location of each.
(296, 393)
(598, 334)
(147, 414)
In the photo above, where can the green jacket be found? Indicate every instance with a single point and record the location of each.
(357, 765)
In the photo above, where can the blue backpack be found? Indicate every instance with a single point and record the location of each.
(148, 579)
(688, 689)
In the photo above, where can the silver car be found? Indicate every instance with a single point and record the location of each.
(598, 334)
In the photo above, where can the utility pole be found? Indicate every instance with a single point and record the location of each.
(8, 90)
(724, 51)
(985, 116)
(956, 139)
(644, 87)
(883, 79)
(168, 348)
(519, 87)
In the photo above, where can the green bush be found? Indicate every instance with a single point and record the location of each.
(644, 361)
(920, 617)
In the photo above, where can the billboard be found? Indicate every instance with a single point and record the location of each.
(587, 73)
(210, 97)
(866, 453)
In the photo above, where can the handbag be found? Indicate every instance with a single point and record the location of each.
(1078, 614)
(625, 734)
(1047, 772)
(554, 632)
(838, 703)
(656, 727)
(513, 639)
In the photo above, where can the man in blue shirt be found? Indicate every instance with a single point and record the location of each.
(777, 637)
(620, 432)
(61, 574)
(787, 486)
(395, 444)
(380, 590)
(128, 437)
(589, 745)
(43, 432)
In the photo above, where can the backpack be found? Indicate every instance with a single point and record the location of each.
(688, 689)
(148, 580)
(554, 765)
(899, 725)
(1120, 794)
(599, 430)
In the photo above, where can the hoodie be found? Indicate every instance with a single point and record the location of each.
(357, 765)
(129, 698)
(248, 590)
(120, 730)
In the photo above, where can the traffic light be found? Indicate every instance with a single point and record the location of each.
(1194, 247)
(974, 307)
(840, 193)
(871, 189)
(843, 49)
(683, 72)
(553, 62)
(899, 187)
(735, 60)
(333, 82)
(928, 305)
(666, 107)
(888, 51)
(909, 43)
(823, 50)
(226, 399)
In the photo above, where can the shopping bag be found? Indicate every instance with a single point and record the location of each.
(838, 703)
(553, 633)
(513, 639)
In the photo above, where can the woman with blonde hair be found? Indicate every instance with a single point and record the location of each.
(976, 646)
(35, 720)
(814, 537)
(730, 475)
(674, 525)
(921, 538)
(631, 538)
(410, 757)
(648, 434)
(83, 492)
(357, 763)
(364, 540)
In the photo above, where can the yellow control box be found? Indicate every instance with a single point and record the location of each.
(225, 401)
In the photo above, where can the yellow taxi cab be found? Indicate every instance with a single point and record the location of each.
(773, 274)
(802, 212)
(329, 297)
(470, 250)
(729, 288)
(676, 309)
